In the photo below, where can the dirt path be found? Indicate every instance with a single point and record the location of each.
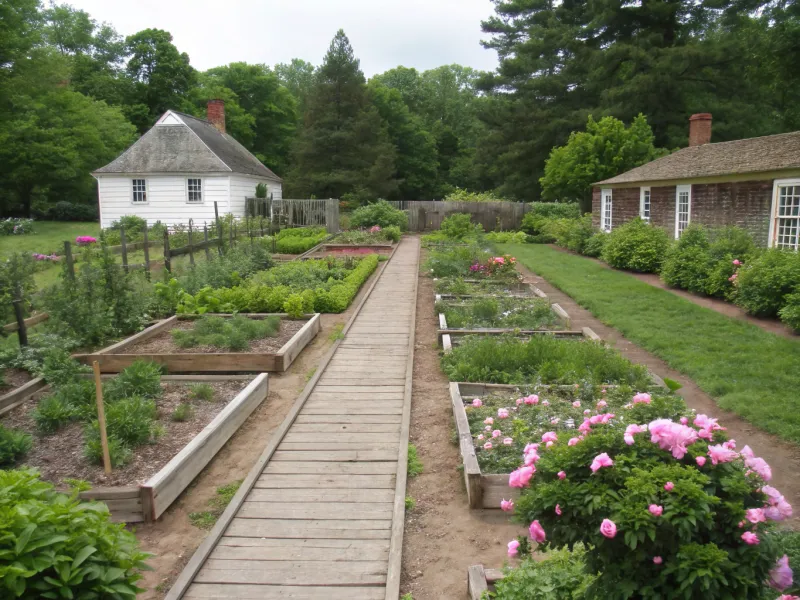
(173, 539)
(715, 304)
(443, 537)
(784, 458)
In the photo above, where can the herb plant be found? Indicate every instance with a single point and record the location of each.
(502, 312)
(234, 334)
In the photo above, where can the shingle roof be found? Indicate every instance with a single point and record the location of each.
(195, 147)
(753, 155)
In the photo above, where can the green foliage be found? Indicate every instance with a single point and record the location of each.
(230, 269)
(454, 261)
(71, 211)
(13, 446)
(63, 548)
(415, 466)
(32, 357)
(53, 412)
(129, 420)
(119, 453)
(636, 246)
(294, 306)
(411, 504)
(16, 282)
(201, 391)
(506, 237)
(764, 282)
(379, 213)
(392, 233)
(234, 334)
(790, 313)
(142, 379)
(462, 195)
(561, 575)
(261, 190)
(59, 368)
(594, 245)
(298, 240)
(577, 234)
(459, 225)
(133, 225)
(788, 543)
(14, 226)
(218, 503)
(502, 359)
(503, 312)
(183, 412)
(687, 263)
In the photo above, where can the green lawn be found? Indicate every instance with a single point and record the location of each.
(48, 237)
(747, 370)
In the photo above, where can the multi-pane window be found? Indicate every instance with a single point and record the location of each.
(139, 190)
(195, 190)
(605, 209)
(787, 217)
(683, 208)
(644, 204)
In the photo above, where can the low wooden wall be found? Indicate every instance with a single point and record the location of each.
(481, 581)
(16, 397)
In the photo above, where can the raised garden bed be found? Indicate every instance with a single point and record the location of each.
(157, 473)
(19, 386)
(486, 471)
(481, 580)
(456, 287)
(448, 338)
(156, 344)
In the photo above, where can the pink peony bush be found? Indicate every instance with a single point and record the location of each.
(658, 523)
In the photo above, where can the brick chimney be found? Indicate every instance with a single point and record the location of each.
(216, 114)
(700, 129)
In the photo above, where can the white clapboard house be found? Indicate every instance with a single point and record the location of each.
(178, 169)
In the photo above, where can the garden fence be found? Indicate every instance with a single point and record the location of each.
(288, 212)
(427, 215)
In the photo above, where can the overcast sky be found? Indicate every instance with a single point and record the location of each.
(384, 33)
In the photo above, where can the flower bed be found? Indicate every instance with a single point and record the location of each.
(164, 344)
(458, 287)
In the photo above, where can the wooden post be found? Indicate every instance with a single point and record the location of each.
(22, 332)
(205, 239)
(191, 244)
(167, 259)
(101, 417)
(219, 228)
(70, 262)
(231, 233)
(146, 255)
(124, 249)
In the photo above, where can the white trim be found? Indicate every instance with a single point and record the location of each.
(202, 190)
(606, 202)
(146, 191)
(170, 118)
(678, 190)
(642, 191)
(776, 185)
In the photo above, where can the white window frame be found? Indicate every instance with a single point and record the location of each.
(146, 192)
(679, 189)
(642, 204)
(773, 213)
(606, 205)
(202, 190)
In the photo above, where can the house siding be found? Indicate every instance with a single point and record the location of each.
(746, 204)
(166, 198)
(244, 186)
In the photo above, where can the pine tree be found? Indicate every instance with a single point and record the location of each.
(344, 147)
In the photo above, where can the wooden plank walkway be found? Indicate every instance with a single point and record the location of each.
(321, 514)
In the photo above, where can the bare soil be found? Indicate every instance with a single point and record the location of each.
(173, 539)
(60, 455)
(14, 378)
(443, 537)
(783, 457)
(164, 344)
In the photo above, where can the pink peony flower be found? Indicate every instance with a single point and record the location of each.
(481, 436)
(777, 508)
(576, 404)
(630, 431)
(508, 441)
(507, 505)
(488, 421)
(487, 446)
(603, 391)
(521, 477)
(558, 510)
(502, 413)
(554, 421)
(537, 532)
(608, 528)
(669, 486)
(513, 548)
(733, 277)
(534, 399)
(655, 510)
(755, 515)
(788, 597)
(737, 262)
(780, 577)
(587, 412)
(601, 404)
(497, 433)
(684, 420)
(545, 403)
(519, 401)
(548, 444)
(657, 560)
(721, 454)
(706, 422)
(700, 460)
(759, 465)
(487, 428)
(600, 461)
(573, 441)
(672, 436)
(642, 398)
(550, 436)
(750, 538)
(531, 448)
(585, 427)
(562, 475)
(477, 403)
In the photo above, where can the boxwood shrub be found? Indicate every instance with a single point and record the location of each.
(636, 246)
(380, 213)
(764, 282)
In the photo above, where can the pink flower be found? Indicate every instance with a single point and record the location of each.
(788, 597)
(630, 430)
(587, 412)
(502, 413)
(554, 421)
(537, 532)
(657, 560)
(706, 422)
(481, 436)
(642, 398)
(759, 465)
(733, 277)
(684, 420)
(534, 399)
(488, 421)
(750, 538)
(530, 459)
(576, 404)
(608, 528)
(487, 428)
(487, 446)
(531, 448)
(545, 403)
(721, 454)
(700, 460)
(548, 444)
(519, 401)
(562, 475)
(777, 508)
(672, 436)
(655, 510)
(558, 510)
(477, 403)
(780, 577)
(507, 505)
(603, 391)
(573, 441)
(755, 515)
(497, 433)
(669, 486)
(521, 477)
(602, 404)
(600, 461)
(550, 436)
(585, 427)
(737, 262)
(85, 240)
(508, 441)
(513, 548)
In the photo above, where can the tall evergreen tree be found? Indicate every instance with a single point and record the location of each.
(344, 147)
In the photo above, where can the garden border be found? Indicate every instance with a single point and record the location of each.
(16, 397)
(481, 580)
(112, 361)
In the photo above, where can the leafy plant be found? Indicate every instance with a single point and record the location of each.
(463, 195)
(595, 244)
(457, 226)
(235, 333)
(201, 391)
(503, 312)
(506, 237)
(218, 504)
(13, 446)
(790, 313)
(411, 504)
(380, 213)
(62, 548)
(129, 420)
(141, 379)
(764, 282)
(119, 453)
(636, 246)
(415, 466)
(294, 306)
(182, 412)
(53, 412)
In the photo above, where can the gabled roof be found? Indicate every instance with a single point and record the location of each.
(753, 155)
(180, 143)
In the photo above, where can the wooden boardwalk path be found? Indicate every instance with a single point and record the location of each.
(321, 514)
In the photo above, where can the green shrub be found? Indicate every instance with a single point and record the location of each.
(59, 368)
(59, 547)
(201, 391)
(688, 261)
(463, 195)
(504, 312)
(71, 211)
(576, 234)
(595, 244)
(380, 213)
(182, 412)
(764, 282)
(458, 226)
(52, 413)
(118, 452)
(13, 446)
(790, 313)
(231, 268)
(561, 575)
(234, 333)
(392, 233)
(141, 379)
(636, 246)
(299, 240)
(556, 210)
(132, 223)
(16, 282)
(454, 261)
(130, 420)
(507, 237)
(294, 306)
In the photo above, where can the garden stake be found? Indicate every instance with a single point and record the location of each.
(22, 332)
(101, 417)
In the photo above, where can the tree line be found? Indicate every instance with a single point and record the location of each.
(75, 94)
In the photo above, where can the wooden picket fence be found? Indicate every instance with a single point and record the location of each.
(288, 212)
(427, 215)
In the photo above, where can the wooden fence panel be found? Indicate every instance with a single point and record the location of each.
(427, 215)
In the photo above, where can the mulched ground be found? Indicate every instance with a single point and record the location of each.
(60, 455)
(163, 344)
(14, 378)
